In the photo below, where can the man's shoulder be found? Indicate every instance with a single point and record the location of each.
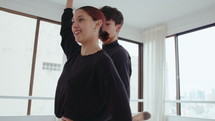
(120, 50)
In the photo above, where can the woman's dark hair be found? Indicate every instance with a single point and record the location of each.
(97, 14)
(112, 13)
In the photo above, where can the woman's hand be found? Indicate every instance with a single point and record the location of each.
(69, 3)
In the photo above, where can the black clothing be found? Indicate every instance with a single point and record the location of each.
(122, 62)
(89, 88)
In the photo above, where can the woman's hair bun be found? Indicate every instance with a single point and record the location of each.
(103, 35)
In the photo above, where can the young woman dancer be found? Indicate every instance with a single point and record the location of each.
(89, 88)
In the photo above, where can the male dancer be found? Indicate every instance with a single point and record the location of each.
(119, 55)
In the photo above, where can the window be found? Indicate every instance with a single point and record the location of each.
(30, 64)
(171, 75)
(196, 60)
(16, 59)
(196, 87)
(48, 67)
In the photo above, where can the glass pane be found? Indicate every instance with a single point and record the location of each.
(17, 35)
(196, 61)
(49, 61)
(134, 107)
(13, 107)
(42, 107)
(170, 108)
(198, 110)
(170, 69)
(132, 49)
(49, 64)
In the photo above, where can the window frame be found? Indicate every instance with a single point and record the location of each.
(178, 100)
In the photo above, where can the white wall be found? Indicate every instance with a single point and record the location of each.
(39, 8)
(195, 20)
(188, 22)
(131, 33)
(181, 118)
(54, 11)
(27, 118)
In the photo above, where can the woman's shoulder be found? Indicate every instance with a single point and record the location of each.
(103, 57)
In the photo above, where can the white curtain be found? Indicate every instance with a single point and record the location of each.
(154, 72)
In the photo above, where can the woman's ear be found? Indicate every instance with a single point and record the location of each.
(98, 24)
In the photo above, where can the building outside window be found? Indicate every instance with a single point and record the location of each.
(194, 76)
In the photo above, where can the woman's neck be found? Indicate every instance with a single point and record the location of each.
(89, 49)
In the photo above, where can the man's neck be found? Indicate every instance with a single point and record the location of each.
(111, 40)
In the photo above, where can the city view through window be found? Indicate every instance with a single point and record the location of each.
(196, 69)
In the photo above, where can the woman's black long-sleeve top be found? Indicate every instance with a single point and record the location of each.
(89, 88)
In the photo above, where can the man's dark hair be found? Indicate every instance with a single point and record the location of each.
(112, 13)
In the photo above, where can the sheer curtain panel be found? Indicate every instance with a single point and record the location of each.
(154, 71)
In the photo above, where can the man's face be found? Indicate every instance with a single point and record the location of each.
(112, 29)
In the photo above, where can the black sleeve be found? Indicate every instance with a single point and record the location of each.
(122, 61)
(114, 92)
(68, 43)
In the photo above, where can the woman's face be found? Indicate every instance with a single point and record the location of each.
(83, 28)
